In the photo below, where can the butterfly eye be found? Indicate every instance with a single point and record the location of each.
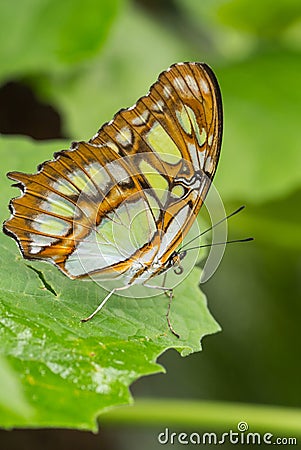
(182, 254)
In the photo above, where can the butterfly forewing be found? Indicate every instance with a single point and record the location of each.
(131, 193)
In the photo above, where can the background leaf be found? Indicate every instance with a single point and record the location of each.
(266, 19)
(48, 35)
(262, 104)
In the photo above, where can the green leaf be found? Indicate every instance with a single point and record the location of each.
(50, 34)
(67, 372)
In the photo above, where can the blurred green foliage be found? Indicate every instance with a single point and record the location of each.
(89, 72)
(48, 36)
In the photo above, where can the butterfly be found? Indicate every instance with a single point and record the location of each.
(118, 206)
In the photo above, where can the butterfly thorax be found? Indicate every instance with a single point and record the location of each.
(140, 273)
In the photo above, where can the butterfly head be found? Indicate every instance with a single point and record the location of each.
(175, 261)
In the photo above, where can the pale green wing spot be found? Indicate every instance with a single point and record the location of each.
(160, 142)
(201, 136)
(184, 119)
(56, 204)
(63, 187)
(156, 181)
(98, 174)
(50, 225)
(178, 191)
(83, 182)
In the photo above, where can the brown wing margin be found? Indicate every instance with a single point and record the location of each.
(219, 116)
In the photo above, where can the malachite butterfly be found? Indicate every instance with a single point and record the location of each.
(118, 207)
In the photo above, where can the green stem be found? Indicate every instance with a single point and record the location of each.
(205, 415)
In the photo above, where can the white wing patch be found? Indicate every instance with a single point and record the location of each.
(124, 137)
(115, 240)
(192, 84)
(174, 228)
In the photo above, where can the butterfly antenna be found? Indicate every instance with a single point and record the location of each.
(213, 226)
(221, 243)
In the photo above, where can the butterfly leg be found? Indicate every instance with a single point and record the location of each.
(163, 284)
(168, 311)
(169, 293)
(104, 302)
